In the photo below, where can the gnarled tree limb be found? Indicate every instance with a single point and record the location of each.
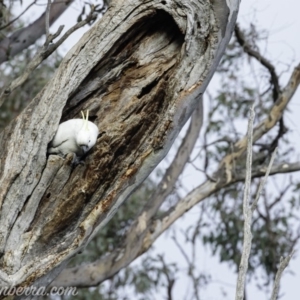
(141, 71)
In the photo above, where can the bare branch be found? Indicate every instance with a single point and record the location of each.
(248, 212)
(19, 16)
(283, 264)
(260, 58)
(263, 182)
(24, 37)
(42, 55)
(266, 125)
(277, 169)
(47, 19)
(274, 80)
(240, 286)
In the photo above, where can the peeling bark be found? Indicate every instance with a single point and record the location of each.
(140, 71)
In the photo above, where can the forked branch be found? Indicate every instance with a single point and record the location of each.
(42, 54)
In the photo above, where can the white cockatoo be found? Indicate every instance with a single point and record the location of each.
(76, 136)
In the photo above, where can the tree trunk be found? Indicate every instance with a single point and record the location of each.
(140, 71)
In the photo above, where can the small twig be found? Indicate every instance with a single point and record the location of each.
(274, 79)
(265, 62)
(47, 19)
(203, 171)
(191, 267)
(283, 264)
(19, 16)
(51, 37)
(41, 55)
(263, 181)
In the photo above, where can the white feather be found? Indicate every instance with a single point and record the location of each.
(74, 136)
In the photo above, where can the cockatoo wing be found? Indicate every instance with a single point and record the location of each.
(64, 140)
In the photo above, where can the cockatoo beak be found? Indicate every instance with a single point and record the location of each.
(84, 148)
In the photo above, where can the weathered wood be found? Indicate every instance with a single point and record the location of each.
(140, 71)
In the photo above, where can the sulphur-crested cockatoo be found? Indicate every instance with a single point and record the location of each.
(74, 136)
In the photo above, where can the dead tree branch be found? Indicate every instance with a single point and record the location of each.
(247, 212)
(24, 37)
(283, 264)
(47, 19)
(41, 55)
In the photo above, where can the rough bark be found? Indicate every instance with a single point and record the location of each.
(141, 71)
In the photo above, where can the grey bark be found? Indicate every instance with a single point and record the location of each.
(140, 71)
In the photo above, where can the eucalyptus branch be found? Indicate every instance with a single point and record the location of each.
(261, 59)
(47, 19)
(274, 79)
(247, 211)
(283, 264)
(280, 168)
(264, 126)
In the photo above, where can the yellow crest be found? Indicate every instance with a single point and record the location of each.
(85, 120)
